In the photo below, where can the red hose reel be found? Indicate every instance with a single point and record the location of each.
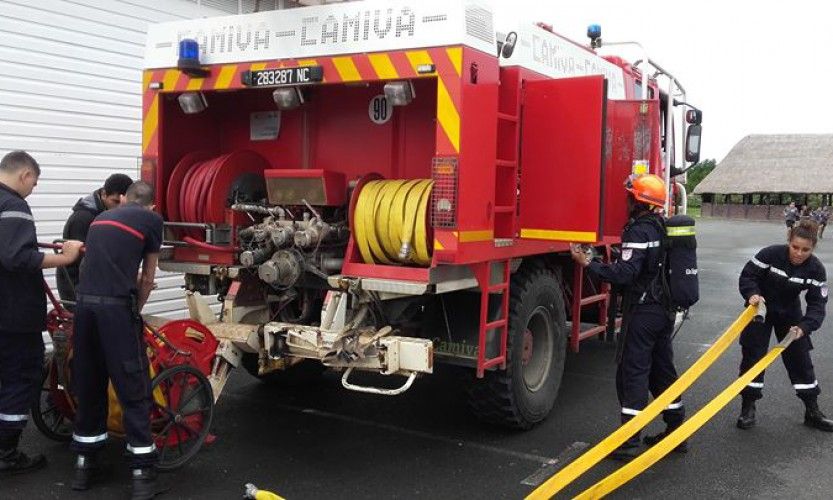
(201, 184)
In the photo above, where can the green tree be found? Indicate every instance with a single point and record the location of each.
(698, 172)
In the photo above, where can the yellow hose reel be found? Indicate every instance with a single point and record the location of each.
(390, 224)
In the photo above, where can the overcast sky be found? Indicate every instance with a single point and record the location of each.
(752, 67)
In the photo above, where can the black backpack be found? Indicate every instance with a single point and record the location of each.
(680, 284)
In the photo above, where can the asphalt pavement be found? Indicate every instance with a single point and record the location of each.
(322, 442)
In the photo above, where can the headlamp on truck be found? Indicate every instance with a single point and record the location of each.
(399, 93)
(288, 97)
(192, 102)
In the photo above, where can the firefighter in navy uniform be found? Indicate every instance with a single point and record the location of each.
(645, 356)
(22, 307)
(108, 340)
(776, 275)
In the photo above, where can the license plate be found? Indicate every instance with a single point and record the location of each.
(283, 76)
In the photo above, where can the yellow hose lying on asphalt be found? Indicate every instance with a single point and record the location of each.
(389, 222)
(595, 454)
(664, 447)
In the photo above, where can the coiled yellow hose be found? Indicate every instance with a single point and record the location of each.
(389, 222)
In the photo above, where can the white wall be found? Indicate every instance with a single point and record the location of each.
(70, 95)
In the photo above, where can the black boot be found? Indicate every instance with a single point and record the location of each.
(86, 470)
(16, 462)
(145, 485)
(656, 438)
(813, 417)
(628, 450)
(746, 420)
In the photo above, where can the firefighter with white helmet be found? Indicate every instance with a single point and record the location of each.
(645, 356)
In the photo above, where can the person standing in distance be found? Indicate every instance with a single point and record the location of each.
(791, 215)
(78, 224)
(108, 341)
(645, 356)
(22, 307)
(776, 276)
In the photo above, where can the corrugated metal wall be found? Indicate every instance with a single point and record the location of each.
(70, 73)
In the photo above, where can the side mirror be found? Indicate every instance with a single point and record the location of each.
(694, 116)
(692, 143)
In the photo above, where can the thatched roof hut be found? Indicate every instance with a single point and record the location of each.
(784, 163)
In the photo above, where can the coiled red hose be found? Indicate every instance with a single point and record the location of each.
(200, 185)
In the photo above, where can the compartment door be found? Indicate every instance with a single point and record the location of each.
(562, 148)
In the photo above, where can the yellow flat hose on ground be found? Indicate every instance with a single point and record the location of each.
(595, 454)
(664, 447)
(390, 221)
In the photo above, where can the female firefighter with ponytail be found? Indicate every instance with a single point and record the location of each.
(776, 276)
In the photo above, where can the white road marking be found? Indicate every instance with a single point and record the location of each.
(547, 470)
(410, 432)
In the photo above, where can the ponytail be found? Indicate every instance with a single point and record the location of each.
(807, 229)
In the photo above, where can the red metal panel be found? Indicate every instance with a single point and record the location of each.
(561, 159)
(630, 135)
(478, 137)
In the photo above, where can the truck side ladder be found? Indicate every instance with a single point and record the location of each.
(600, 300)
(485, 272)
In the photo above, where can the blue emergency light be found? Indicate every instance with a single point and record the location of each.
(189, 59)
(593, 31)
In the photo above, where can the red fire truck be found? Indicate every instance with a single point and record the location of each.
(379, 186)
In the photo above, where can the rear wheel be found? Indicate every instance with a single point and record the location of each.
(183, 407)
(524, 394)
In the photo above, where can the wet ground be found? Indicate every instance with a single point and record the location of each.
(324, 442)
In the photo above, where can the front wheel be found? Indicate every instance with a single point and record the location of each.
(50, 411)
(524, 394)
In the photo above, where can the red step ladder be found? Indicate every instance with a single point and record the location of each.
(484, 274)
(600, 300)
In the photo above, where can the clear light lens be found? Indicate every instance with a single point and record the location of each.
(287, 97)
(192, 102)
(399, 93)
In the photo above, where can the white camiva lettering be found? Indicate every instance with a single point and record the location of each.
(405, 22)
(329, 30)
(363, 25)
(351, 22)
(382, 33)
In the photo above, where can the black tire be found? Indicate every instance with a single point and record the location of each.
(524, 394)
(304, 373)
(47, 416)
(194, 398)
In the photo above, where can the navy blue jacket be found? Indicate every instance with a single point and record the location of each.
(771, 275)
(639, 263)
(76, 228)
(22, 296)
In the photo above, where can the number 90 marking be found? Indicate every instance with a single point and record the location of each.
(379, 110)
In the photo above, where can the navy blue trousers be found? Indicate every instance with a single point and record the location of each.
(21, 375)
(647, 364)
(754, 343)
(108, 345)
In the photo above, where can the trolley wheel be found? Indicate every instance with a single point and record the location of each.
(524, 394)
(48, 416)
(183, 406)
